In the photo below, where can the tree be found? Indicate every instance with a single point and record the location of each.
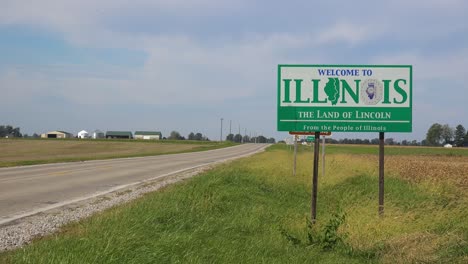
(10, 131)
(246, 139)
(434, 135)
(447, 134)
(175, 135)
(460, 133)
(230, 137)
(389, 141)
(198, 136)
(405, 142)
(238, 138)
(271, 140)
(465, 143)
(262, 139)
(191, 136)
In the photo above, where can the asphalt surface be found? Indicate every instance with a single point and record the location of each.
(27, 190)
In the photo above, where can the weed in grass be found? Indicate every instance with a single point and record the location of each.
(326, 238)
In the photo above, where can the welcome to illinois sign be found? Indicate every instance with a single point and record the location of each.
(345, 98)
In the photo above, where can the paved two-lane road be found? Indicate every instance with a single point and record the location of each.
(31, 189)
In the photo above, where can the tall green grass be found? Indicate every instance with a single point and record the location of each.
(254, 211)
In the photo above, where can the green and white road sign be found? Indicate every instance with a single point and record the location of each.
(310, 138)
(345, 98)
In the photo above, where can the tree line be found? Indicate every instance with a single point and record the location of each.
(374, 141)
(436, 135)
(9, 131)
(439, 134)
(174, 135)
(238, 138)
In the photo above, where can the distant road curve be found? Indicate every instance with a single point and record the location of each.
(28, 190)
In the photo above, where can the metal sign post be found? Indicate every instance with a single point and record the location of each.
(323, 156)
(315, 177)
(381, 173)
(295, 155)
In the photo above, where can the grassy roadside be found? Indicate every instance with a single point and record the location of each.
(16, 152)
(254, 211)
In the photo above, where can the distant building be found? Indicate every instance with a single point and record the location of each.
(57, 134)
(98, 134)
(154, 135)
(119, 134)
(83, 134)
(447, 146)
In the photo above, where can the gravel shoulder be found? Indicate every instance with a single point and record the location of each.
(20, 232)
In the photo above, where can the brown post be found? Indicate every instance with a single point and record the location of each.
(295, 155)
(315, 177)
(381, 173)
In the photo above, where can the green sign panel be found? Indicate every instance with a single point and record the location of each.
(310, 138)
(345, 98)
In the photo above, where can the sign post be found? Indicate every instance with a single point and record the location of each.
(295, 155)
(315, 178)
(345, 98)
(381, 173)
(323, 156)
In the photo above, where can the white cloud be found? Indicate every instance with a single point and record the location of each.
(347, 32)
(82, 22)
(451, 65)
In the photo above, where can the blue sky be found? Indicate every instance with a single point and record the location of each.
(183, 65)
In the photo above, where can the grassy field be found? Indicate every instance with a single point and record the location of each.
(16, 152)
(254, 211)
(393, 150)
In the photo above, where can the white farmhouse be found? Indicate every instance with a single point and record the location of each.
(83, 134)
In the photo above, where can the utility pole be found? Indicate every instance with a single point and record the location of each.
(221, 135)
(240, 134)
(230, 123)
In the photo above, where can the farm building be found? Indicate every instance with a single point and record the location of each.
(98, 134)
(148, 135)
(119, 134)
(83, 134)
(57, 134)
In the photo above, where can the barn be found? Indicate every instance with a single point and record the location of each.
(119, 134)
(154, 135)
(57, 134)
(98, 134)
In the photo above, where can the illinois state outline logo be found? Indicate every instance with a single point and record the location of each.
(371, 91)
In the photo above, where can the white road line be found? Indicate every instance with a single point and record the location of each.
(116, 188)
